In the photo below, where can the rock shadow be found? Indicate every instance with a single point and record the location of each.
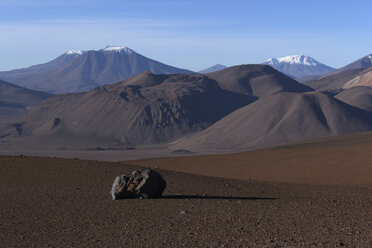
(213, 197)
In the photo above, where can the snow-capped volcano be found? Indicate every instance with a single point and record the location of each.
(78, 70)
(298, 66)
(294, 59)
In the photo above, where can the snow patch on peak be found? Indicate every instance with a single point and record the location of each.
(298, 59)
(74, 52)
(113, 48)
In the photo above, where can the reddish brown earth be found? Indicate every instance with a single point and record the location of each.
(66, 203)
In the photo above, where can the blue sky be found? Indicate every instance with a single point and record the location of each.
(187, 33)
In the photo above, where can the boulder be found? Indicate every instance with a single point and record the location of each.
(142, 183)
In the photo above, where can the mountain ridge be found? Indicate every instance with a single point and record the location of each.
(277, 119)
(145, 109)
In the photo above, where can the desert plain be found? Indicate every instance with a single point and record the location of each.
(310, 194)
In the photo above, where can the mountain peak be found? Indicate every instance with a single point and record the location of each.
(74, 52)
(293, 59)
(113, 48)
(216, 67)
(298, 66)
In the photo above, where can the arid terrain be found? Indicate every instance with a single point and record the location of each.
(310, 195)
(258, 117)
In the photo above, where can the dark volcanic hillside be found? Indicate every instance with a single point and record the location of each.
(279, 119)
(15, 101)
(257, 80)
(88, 70)
(144, 109)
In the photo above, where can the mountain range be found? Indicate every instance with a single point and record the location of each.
(146, 109)
(279, 118)
(77, 71)
(236, 108)
(149, 108)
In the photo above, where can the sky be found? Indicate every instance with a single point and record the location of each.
(189, 34)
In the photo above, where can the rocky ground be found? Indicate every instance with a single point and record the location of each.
(66, 203)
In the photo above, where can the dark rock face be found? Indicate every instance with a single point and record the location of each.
(142, 183)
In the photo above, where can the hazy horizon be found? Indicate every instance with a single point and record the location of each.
(187, 34)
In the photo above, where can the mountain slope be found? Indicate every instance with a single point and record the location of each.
(257, 80)
(88, 70)
(362, 79)
(364, 62)
(146, 109)
(360, 97)
(335, 83)
(214, 68)
(358, 65)
(51, 65)
(298, 66)
(279, 119)
(15, 101)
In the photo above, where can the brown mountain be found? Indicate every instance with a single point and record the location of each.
(256, 80)
(360, 97)
(279, 119)
(15, 101)
(145, 109)
(362, 63)
(335, 83)
(362, 79)
(83, 71)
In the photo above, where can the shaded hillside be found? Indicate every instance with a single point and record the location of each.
(279, 119)
(257, 80)
(344, 74)
(334, 83)
(88, 70)
(15, 101)
(145, 109)
(360, 97)
(362, 79)
(362, 63)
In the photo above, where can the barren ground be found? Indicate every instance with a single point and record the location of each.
(66, 203)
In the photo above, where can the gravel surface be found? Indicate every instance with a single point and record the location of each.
(48, 202)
